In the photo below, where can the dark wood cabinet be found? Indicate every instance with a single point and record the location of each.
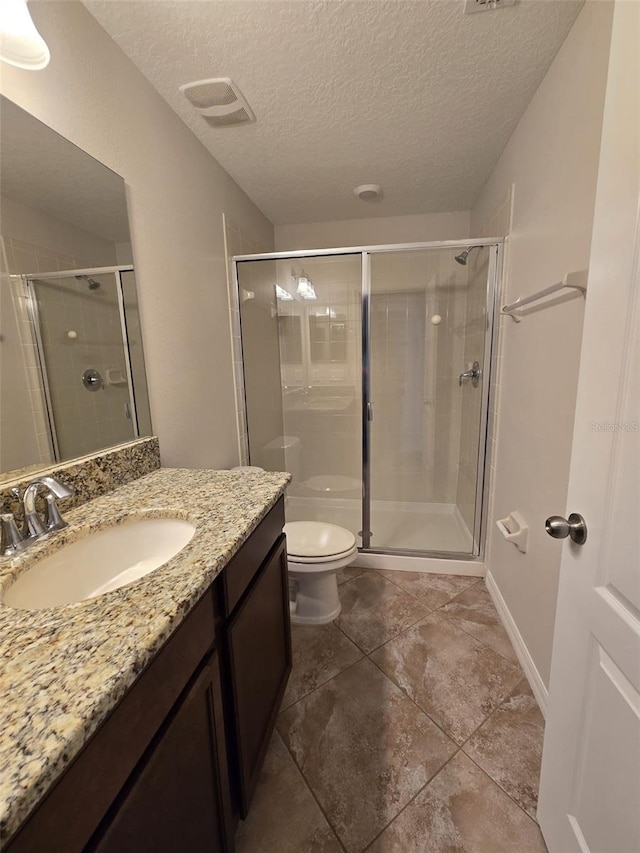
(178, 758)
(176, 799)
(257, 641)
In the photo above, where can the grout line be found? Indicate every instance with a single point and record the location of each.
(395, 636)
(406, 806)
(515, 663)
(351, 640)
(422, 710)
(466, 741)
(450, 736)
(406, 628)
(426, 575)
(311, 791)
(322, 684)
(459, 747)
(477, 639)
(418, 708)
(490, 777)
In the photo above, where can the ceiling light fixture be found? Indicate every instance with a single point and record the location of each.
(282, 294)
(368, 192)
(20, 42)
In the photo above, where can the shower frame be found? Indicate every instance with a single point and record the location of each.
(34, 315)
(495, 245)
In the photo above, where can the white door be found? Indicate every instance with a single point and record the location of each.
(590, 785)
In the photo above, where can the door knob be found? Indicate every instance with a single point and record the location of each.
(575, 527)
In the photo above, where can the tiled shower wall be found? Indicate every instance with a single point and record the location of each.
(415, 365)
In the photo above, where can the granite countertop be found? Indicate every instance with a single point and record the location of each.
(64, 669)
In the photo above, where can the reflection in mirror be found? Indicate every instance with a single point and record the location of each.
(72, 376)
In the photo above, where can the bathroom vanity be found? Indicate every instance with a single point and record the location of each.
(158, 749)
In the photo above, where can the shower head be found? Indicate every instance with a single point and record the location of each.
(91, 282)
(462, 257)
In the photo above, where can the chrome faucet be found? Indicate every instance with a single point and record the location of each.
(33, 526)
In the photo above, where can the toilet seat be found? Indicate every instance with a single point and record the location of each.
(321, 561)
(318, 541)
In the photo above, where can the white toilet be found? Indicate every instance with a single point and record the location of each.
(315, 552)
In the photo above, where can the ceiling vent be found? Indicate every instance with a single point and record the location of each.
(485, 5)
(219, 102)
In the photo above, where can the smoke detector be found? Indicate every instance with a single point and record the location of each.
(471, 6)
(368, 192)
(219, 101)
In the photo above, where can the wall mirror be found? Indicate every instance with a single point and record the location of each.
(72, 375)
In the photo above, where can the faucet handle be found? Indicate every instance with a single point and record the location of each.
(52, 518)
(11, 540)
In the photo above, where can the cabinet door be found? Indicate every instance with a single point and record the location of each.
(177, 800)
(258, 643)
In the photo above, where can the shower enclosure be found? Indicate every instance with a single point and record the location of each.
(366, 375)
(82, 333)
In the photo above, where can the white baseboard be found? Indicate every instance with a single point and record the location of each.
(538, 686)
(398, 563)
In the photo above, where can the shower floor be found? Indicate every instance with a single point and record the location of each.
(395, 525)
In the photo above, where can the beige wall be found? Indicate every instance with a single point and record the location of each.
(28, 225)
(375, 231)
(551, 160)
(94, 96)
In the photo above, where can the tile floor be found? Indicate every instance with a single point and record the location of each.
(407, 727)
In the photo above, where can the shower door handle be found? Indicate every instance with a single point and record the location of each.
(369, 411)
(473, 373)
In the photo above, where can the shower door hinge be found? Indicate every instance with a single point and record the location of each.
(369, 411)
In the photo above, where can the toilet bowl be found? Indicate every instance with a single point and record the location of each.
(315, 552)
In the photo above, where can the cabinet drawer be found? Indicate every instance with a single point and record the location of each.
(258, 649)
(240, 571)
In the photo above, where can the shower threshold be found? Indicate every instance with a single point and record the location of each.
(395, 525)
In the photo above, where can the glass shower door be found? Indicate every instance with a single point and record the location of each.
(302, 354)
(83, 361)
(428, 324)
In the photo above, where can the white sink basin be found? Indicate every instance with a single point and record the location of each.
(99, 563)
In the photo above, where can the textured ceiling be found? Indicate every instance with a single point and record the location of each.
(416, 96)
(43, 170)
